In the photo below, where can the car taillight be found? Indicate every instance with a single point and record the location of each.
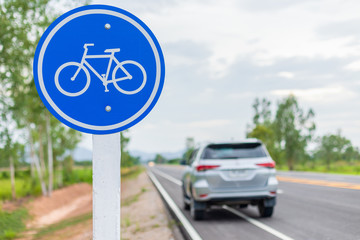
(202, 168)
(267, 165)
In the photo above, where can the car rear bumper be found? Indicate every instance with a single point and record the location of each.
(235, 196)
(202, 192)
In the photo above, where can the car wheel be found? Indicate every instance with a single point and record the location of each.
(243, 205)
(195, 212)
(186, 205)
(265, 211)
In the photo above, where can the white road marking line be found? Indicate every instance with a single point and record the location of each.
(188, 227)
(280, 191)
(168, 177)
(257, 223)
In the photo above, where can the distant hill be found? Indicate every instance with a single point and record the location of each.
(146, 156)
(84, 154)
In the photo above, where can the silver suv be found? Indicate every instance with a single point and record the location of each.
(240, 174)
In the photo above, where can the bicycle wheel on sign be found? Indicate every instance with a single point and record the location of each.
(73, 77)
(133, 77)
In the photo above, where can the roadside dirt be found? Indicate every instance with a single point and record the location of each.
(145, 218)
(142, 212)
(65, 203)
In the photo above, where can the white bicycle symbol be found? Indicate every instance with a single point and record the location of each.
(103, 77)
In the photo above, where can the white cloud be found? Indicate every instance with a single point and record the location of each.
(208, 123)
(316, 95)
(204, 96)
(169, 135)
(354, 66)
(220, 55)
(287, 75)
(211, 123)
(240, 96)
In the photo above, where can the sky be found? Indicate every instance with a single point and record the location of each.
(221, 55)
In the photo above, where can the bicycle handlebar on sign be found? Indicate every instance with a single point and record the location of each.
(88, 45)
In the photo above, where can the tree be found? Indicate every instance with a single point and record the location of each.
(126, 159)
(267, 135)
(351, 154)
(11, 152)
(262, 112)
(190, 146)
(159, 159)
(68, 168)
(334, 147)
(63, 140)
(293, 129)
(21, 25)
(10, 148)
(262, 127)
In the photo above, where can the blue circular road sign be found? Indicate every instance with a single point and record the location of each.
(99, 69)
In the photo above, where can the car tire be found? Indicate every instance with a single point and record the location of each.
(243, 205)
(265, 211)
(186, 206)
(196, 214)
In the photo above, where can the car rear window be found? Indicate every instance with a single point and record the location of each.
(232, 151)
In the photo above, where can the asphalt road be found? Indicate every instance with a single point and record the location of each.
(309, 206)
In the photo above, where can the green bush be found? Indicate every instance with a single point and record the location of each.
(23, 187)
(131, 172)
(5, 175)
(77, 176)
(175, 161)
(9, 234)
(339, 167)
(22, 173)
(12, 223)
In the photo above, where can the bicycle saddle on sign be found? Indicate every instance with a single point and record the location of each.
(112, 50)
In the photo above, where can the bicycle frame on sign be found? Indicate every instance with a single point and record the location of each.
(111, 58)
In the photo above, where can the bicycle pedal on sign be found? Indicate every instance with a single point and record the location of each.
(120, 66)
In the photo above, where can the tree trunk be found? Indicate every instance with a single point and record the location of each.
(41, 151)
(50, 154)
(32, 168)
(328, 163)
(291, 164)
(59, 176)
(37, 165)
(12, 178)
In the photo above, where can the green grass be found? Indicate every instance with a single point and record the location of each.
(174, 161)
(337, 168)
(134, 198)
(12, 223)
(23, 187)
(62, 225)
(131, 172)
(130, 200)
(125, 222)
(82, 174)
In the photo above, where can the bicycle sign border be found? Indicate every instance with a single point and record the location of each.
(82, 125)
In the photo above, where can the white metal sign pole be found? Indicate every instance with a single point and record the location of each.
(106, 187)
